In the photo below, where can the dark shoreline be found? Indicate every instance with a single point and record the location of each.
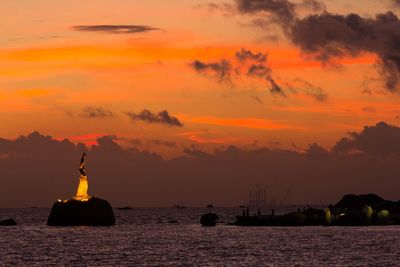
(351, 210)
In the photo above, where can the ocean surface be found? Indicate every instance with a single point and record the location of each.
(174, 237)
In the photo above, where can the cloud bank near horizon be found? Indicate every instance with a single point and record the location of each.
(37, 169)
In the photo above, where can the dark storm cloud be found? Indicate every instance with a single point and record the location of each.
(281, 10)
(327, 36)
(312, 5)
(225, 8)
(382, 139)
(161, 117)
(42, 169)
(95, 112)
(220, 70)
(126, 29)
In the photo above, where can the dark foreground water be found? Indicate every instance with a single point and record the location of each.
(149, 237)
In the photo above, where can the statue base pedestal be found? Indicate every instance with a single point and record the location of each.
(93, 212)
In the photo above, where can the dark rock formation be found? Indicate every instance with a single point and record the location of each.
(8, 222)
(94, 212)
(352, 201)
(209, 219)
(368, 209)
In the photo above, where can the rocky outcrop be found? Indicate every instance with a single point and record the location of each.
(369, 209)
(209, 219)
(352, 201)
(93, 212)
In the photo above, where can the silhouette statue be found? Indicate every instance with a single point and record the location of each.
(81, 209)
(82, 165)
(81, 193)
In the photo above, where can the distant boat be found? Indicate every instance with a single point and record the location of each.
(179, 207)
(209, 219)
(124, 208)
(210, 206)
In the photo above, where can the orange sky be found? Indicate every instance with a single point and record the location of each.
(50, 73)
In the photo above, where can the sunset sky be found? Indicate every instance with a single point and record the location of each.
(184, 94)
(54, 73)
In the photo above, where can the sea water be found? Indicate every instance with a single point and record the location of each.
(174, 237)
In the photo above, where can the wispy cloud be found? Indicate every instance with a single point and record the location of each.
(161, 117)
(369, 109)
(308, 88)
(221, 70)
(118, 29)
(255, 65)
(252, 123)
(95, 112)
(245, 54)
